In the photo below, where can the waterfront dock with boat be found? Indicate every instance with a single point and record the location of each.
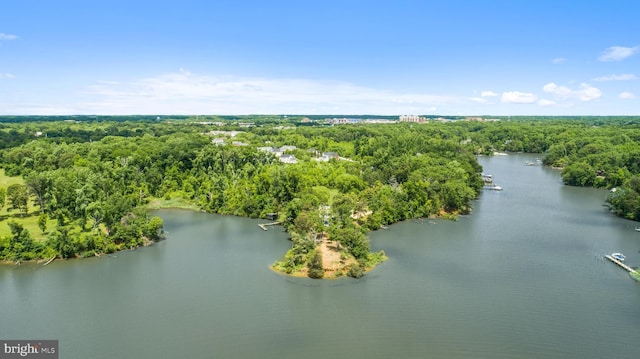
(618, 259)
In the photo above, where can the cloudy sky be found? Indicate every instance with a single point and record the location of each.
(445, 57)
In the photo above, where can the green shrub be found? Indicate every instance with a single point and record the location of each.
(110, 247)
(314, 265)
(356, 271)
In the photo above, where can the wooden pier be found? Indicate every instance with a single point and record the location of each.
(620, 264)
(264, 225)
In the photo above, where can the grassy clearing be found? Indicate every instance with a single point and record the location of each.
(6, 181)
(160, 203)
(29, 220)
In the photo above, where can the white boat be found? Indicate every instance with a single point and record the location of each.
(637, 229)
(618, 256)
(494, 187)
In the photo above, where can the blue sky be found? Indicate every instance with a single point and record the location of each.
(383, 57)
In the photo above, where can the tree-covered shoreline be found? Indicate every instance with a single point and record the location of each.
(90, 181)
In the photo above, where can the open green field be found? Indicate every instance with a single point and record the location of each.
(6, 181)
(161, 203)
(29, 221)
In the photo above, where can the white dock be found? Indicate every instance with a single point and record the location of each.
(620, 264)
(264, 225)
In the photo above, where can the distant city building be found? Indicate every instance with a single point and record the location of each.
(352, 121)
(343, 121)
(412, 118)
(380, 121)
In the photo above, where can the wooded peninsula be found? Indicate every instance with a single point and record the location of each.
(81, 186)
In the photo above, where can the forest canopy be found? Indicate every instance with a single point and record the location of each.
(89, 181)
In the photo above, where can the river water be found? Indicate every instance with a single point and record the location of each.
(521, 277)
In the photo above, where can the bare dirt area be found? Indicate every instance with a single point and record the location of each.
(331, 258)
(335, 260)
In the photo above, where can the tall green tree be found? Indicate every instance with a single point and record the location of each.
(62, 242)
(42, 222)
(314, 265)
(113, 209)
(18, 196)
(39, 184)
(21, 246)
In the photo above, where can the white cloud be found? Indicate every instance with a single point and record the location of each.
(559, 60)
(623, 77)
(187, 93)
(627, 96)
(488, 94)
(617, 53)
(7, 76)
(4, 36)
(560, 91)
(518, 97)
(586, 92)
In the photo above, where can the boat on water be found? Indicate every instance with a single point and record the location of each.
(637, 229)
(494, 187)
(618, 256)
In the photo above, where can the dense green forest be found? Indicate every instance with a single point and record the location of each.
(93, 178)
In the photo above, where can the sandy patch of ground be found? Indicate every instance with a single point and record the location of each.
(331, 259)
(334, 266)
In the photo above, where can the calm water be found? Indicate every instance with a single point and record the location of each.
(522, 277)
